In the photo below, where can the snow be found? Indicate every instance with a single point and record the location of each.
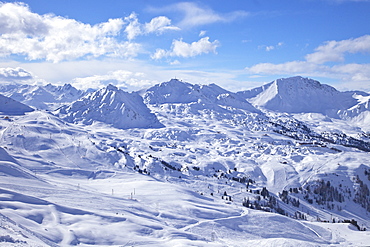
(12, 107)
(198, 97)
(363, 105)
(301, 95)
(112, 106)
(48, 97)
(362, 121)
(115, 169)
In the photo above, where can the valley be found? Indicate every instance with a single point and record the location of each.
(182, 164)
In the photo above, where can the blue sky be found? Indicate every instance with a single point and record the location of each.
(135, 44)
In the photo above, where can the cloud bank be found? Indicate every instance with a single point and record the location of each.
(316, 63)
(56, 38)
(334, 51)
(121, 78)
(16, 75)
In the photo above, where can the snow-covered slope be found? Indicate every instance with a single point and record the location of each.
(63, 184)
(300, 95)
(11, 106)
(363, 121)
(363, 105)
(113, 106)
(47, 97)
(215, 175)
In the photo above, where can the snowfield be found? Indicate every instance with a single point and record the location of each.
(180, 164)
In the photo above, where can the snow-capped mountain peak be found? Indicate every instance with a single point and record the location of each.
(47, 97)
(212, 157)
(173, 91)
(113, 106)
(300, 95)
(199, 96)
(363, 104)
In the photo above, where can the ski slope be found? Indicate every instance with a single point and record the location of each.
(186, 181)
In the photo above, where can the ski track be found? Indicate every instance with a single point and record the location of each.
(186, 228)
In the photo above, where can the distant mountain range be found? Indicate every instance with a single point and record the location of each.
(184, 164)
(47, 97)
(289, 95)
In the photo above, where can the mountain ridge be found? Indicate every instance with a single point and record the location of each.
(112, 106)
(300, 95)
(48, 97)
(197, 96)
(108, 169)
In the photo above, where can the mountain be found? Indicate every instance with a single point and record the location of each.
(197, 97)
(300, 95)
(215, 171)
(12, 107)
(65, 93)
(113, 106)
(363, 105)
(47, 97)
(362, 120)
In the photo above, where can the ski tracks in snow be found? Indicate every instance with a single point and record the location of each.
(243, 213)
(67, 235)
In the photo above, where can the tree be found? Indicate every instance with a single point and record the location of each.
(265, 193)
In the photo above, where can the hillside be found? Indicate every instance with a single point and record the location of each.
(12, 107)
(182, 164)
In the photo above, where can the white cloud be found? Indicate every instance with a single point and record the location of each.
(353, 72)
(196, 15)
(121, 78)
(270, 47)
(160, 53)
(182, 49)
(334, 51)
(18, 75)
(55, 38)
(133, 29)
(202, 33)
(292, 67)
(29, 23)
(14, 73)
(344, 72)
(132, 75)
(157, 25)
(176, 62)
(314, 64)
